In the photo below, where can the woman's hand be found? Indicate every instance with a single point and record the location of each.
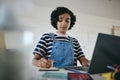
(44, 63)
(84, 61)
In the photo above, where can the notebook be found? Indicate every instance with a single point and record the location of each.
(106, 53)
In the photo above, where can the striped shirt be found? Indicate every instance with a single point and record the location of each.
(45, 44)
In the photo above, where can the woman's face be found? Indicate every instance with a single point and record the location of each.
(63, 23)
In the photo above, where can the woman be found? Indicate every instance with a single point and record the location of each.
(59, 49)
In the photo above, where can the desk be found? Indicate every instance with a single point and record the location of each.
(39, 75)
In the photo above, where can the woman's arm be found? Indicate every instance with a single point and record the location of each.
(41, 62)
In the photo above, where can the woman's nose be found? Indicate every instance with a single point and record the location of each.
(64, 22)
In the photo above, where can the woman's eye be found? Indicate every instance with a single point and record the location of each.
(67, 21)
(60, 20)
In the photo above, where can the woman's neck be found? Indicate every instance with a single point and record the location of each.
(62, 34)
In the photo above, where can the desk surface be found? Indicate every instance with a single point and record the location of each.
(55, 75)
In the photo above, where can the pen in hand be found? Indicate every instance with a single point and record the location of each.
(46, 63)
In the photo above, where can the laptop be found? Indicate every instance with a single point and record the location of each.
(106, 53)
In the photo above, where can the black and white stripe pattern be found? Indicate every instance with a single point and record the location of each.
(44, 46)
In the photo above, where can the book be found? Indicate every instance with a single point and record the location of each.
(55, 75)
(79, 76)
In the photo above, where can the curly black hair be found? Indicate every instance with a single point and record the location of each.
(59, 11)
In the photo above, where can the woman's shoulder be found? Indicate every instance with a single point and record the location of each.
(74, 39)
(45, 34)
(48, 35)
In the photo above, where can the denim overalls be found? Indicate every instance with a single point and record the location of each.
(62, 52)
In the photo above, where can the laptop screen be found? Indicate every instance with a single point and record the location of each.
(106, 52)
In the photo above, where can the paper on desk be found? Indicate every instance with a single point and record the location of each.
(49, 69)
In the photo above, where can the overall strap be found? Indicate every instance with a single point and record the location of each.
(71, 40)
(52, 36)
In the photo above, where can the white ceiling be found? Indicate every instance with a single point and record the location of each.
(102, 8)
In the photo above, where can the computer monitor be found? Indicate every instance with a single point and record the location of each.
(106, 52)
